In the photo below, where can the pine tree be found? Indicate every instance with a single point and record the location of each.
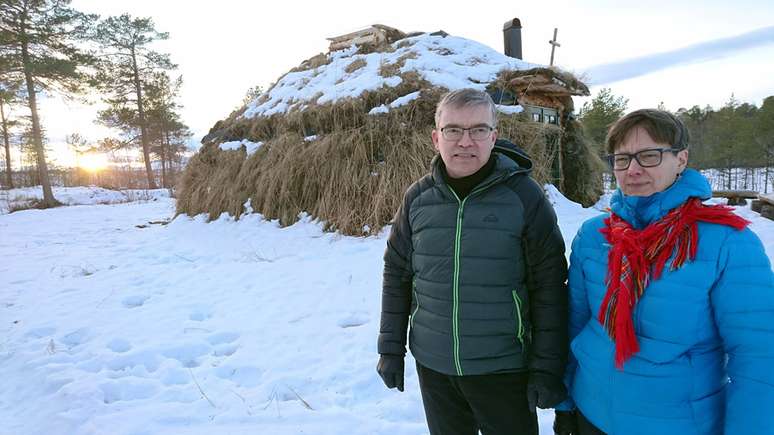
(696, 120)
(9, 96)
(764, 135)
(722, 139)
(37, 46)
(127, 66)
(168, 133)
(599, 114)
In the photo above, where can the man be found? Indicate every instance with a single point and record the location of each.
(475, 264)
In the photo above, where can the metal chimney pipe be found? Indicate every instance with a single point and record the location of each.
(512, 38)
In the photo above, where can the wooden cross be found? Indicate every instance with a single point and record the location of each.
(554, 44)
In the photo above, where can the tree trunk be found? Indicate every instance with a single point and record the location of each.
(141, 114)
(727, 174)
(7, 144)
(746, 179)
(170, 173)
(163, 152)
(37, 140)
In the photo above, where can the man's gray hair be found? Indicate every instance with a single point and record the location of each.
(467, 97)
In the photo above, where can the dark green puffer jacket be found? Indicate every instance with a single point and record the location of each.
(482, 280)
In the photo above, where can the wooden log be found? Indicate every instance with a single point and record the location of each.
(756, 205)
(767, 211)
(750, 194)
(767, 199)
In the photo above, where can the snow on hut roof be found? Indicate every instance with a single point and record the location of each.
(449, 62)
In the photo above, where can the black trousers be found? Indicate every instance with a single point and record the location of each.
(495, 404)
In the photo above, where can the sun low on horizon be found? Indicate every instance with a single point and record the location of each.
(93, 162)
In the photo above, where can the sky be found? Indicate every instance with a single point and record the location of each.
(681, 54)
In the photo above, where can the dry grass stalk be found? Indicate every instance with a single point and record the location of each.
(355, 65)
(393, 69)
(352, 177)
(313, 62)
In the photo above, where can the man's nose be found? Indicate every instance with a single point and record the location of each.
(465, 140)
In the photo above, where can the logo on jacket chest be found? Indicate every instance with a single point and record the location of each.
(490, 218)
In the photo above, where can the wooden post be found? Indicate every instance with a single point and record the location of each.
(554, 44)
(767, 206)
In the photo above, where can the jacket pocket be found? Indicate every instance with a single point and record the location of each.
(415, 302)
(520, 326)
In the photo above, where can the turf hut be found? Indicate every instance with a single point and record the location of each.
(342, 135)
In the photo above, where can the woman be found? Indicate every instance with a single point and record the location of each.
(671, 301)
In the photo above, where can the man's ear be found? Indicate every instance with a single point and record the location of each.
(434, 136)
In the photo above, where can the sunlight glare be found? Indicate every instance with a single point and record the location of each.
(93, 162)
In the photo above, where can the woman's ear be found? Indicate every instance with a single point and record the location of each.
(682, 160)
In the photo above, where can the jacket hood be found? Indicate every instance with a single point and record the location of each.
(640, 211)
(513, 152)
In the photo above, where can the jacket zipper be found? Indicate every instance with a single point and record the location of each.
(416, 302)
(456, 282)
(520, 330)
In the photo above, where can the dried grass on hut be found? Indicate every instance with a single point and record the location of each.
(354, 171)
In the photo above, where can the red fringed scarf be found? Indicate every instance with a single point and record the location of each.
(636, 257)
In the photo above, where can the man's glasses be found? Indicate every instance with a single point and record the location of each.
(479, 132)
(646, 158)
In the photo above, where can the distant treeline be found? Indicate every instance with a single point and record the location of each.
(737, 135)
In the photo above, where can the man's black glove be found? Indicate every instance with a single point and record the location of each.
(544, 391)
(390, 368)
(565, 423)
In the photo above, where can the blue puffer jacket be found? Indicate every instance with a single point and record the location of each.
(706, 332)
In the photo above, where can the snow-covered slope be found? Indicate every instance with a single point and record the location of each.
(79, 195)
(110, 324)
(450, 62)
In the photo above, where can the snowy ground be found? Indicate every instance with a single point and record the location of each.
(110, 324)
(80, 195)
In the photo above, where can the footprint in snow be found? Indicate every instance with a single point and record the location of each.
(175, 376)
(187, 354)
(129, 388)
(134, 301)
(222, 338)
(223, 343)
(54, 384)
(146, 360)
(119, 345)
(225, 349)
(77, 337)
(40, 332)
(200, 314)
(353, 319)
